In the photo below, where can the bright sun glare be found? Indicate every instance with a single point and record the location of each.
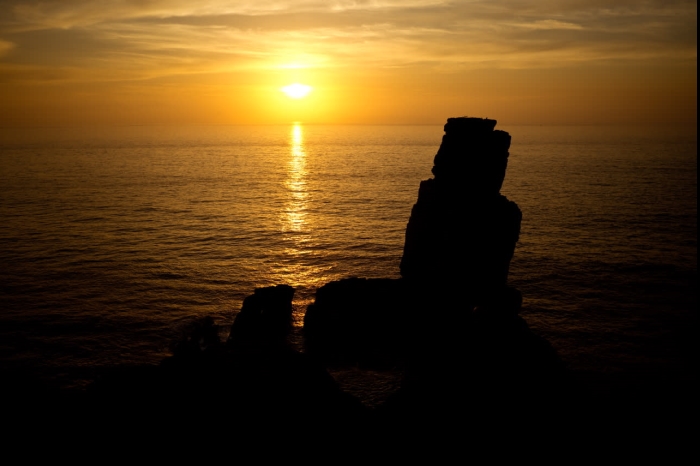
(296, 90)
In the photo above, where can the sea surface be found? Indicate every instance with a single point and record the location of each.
(112, 240)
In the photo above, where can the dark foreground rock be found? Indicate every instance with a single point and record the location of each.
(472, 363)
(450, 324)
(254, 376)
(474, 374)
(360, 321)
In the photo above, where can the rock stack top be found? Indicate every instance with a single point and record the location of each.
(473, 156)
(469, 124)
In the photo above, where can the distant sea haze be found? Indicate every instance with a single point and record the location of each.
(113, 239)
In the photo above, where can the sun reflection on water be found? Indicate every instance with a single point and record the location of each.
(296, 183)
(298, 265)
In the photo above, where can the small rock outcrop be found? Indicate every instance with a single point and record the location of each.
(255, 374)
(359, 321)
(264, 318)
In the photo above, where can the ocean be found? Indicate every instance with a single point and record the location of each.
(113, 240)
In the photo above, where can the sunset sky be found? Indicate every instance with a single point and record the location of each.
(152, 62)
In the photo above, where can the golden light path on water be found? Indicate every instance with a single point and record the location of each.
(299, 267)
(295, 211)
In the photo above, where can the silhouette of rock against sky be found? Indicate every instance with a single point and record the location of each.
(451, 321)
(462, 232)
(265, 316)
(472, 349)
(450, 327)
(460, 239)
(450, 324)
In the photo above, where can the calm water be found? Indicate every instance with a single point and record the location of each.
(112, 240)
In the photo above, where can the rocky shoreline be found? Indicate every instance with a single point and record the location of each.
(450, 325)
(449, 328)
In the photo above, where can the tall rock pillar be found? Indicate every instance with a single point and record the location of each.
(462, 232)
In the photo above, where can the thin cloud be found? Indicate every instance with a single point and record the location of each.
(551, 24)
(346, 5)
(5, 47)
(144, 38)
(81, 13)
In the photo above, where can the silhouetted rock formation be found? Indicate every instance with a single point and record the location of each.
(450, 324)
(265, 316)
(460, 239)
(451, 321)
(462, 232)
(255, 374)
(359, 321)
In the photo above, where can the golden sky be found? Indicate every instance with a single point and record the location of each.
(148, 62)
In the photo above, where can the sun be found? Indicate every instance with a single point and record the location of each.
(296, 90)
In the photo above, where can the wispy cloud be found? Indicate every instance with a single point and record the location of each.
(59, 41)
(81, 13)
(5, 47)
(551, 24)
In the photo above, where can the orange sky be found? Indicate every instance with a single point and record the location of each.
(144, 62)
